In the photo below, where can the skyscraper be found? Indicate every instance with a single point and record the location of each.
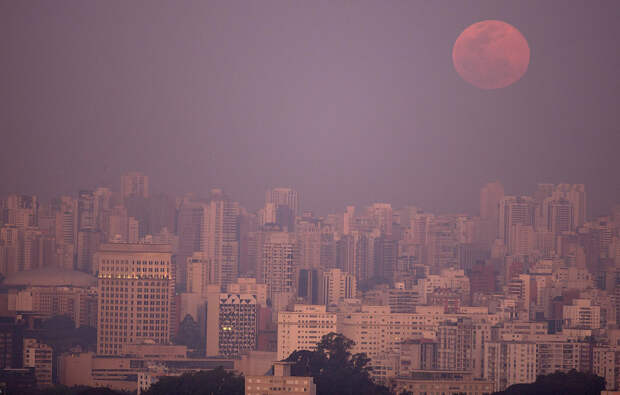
(284, 197)
(337, 285)
(278, 266)
(490, 196)
(136, 293)
(220, 237)
(514, 210)
(134, 184)
(283, 204)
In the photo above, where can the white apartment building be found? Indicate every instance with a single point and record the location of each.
(582, 314)
(303, 328)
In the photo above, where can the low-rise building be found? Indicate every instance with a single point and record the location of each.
(442, 382)
(280, 383)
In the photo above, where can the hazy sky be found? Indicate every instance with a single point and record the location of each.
(346, 101)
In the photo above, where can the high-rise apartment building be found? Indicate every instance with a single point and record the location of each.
(490, 196)
(220, 237)
(560, 216)
(337, 285)
(134, 184)
(308, 234)
(200, 274)
(278, 266)
(281, 207)
(284, 197)
(136, 293)
(514, 210)
(381, 214)
(20, 211)
(190, 219)
(355, 254)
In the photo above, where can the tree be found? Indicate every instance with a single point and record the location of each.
(334, 369)
(77, 390)
(206, 382)
(571, 383)
(189, 334)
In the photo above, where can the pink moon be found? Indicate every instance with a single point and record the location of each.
(491, 54)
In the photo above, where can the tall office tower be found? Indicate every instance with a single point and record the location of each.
(337, 285)
(88, 241)
(420, 227)
(134, 184)
(278, 266)
(514, 210)
(308, 285)
(189, 229)
(386, 258)
(232, 324)
(348, 220)
(328, 249)
(559, 215)
(442, 243)
(381, 213)
(161, 213)
(248, 229)
(220, 237)
(88, 236)
(281, 207)
(490, 196)
(284, 197)
(200, 274)
(66, 229)
(308, 235)
(103, 203)
(355, 254)
(522, 240)
(20, 249)
(47, 220)
(136, 293)
(86, 215)
(576, 194)
(20, 210)
(9, 249)
(115, 226)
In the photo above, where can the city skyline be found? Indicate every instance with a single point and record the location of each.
(309, 198)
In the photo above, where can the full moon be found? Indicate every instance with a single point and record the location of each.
(491, 54)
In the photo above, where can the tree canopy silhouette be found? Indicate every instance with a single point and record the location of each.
(559, 383)
(189, 334)
(335, 370)
(207, 382)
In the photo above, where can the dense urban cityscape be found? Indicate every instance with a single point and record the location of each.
(439, 303)
(326, 197)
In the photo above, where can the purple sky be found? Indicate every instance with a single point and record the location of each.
(347, 101)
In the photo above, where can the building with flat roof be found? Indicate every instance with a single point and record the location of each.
(280, 383)
(136, 292)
